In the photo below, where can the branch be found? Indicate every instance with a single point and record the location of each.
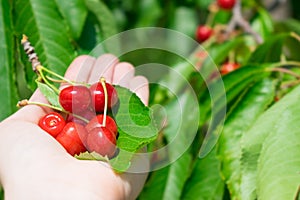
(238, 20)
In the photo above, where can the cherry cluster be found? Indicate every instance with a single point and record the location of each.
(86, 126)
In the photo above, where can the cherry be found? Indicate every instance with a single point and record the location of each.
(97, 122)
(53, 123)
(98, 96)
(203, 32)
(228, 67)
(226, 4)
(72, 138)
(75, 98)
(101, 140)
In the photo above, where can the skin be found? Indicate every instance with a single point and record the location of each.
(35, 166)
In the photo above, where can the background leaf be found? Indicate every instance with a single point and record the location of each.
(245, 112)
(33, 18)
(280, 118)
(74, 12)
(206, 173)
(8, 90)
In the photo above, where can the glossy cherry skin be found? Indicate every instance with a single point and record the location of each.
(203, 32)
(101, 140)
(98, 97)
(97, 122)
(72, 138)
(53, 123)
(75, 99)
(228, 67)
(226, 4)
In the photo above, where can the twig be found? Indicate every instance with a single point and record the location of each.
(238, 20)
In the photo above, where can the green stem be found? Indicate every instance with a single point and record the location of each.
(279, 64)
(52, 107)
(283, 70)
(56, 75)
(39, 69)
(102, 80)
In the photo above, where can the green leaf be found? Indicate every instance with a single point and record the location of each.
(34, 18)
(8, 90)
(245, 112)
(270, 152)
(205, 182)
(136, 127)
(91, 156)
(1, 193)
(270, 50)
(106, 20)
(74, 12)
(49, 93)
(155, 185)
(263, 23)
(178, 174)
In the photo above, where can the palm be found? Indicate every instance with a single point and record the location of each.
(43, 169)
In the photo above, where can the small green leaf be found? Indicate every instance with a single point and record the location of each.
(136, 127)
(49, 93)
(91, 156)
(270, 152)
(75, 12)
(263, 23)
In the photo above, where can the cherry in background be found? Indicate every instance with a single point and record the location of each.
(226, 4)
(228, 67)
(203, 32)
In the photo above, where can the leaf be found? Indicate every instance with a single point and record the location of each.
(1, 193)
(136, 127)
(34, 18)
(178, 174)
(91, 156)
(75, 12)
(155, 185)
(104, 16)
(49, 93)
(263, 23)
(205, 182)
(277, 130)
(270, 50)
(245, 112)
(8, 90)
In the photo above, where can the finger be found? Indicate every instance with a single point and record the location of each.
(140, 86)
(80, 69)
(103, 67)
(123, 73)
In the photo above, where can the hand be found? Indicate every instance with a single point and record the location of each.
(33, 165)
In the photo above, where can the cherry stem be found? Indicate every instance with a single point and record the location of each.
(283, 70)
(292, 63)
(40, 73)
(102, 80)
(42, 68)
(290, 84)
(26, 102)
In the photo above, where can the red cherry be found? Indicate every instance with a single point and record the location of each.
(226, 4)
(53, 123)
(203, 32)
(98, 97)
(228, 67)
(75, 98)
(97, 122)
(72, 138)
(101, 140)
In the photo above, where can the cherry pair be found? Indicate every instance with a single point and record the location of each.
(78, 98)
(77, 138)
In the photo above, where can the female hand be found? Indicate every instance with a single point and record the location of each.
(33, 165)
